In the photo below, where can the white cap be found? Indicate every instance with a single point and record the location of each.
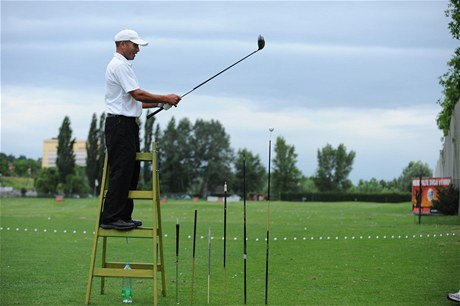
(130, 35)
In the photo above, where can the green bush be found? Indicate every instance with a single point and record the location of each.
(447, 202)
(396, 197)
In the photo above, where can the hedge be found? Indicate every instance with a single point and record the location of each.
(347, 197)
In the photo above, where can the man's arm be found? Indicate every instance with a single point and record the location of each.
(150, 100)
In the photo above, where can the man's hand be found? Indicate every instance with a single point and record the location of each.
(172, 100)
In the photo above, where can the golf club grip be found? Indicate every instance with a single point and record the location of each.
(154, 113)
(177, 239)
(194, 233)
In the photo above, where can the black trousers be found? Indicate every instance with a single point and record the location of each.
(122, 142)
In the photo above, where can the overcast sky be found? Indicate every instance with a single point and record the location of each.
(361, 73)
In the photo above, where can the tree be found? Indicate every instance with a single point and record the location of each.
(101, 154)
(21, 166)
(413, 170)
(212, 156)
(450, 81)
(176, 148)
(65, 161)
(334, 166)
(25, 167)
(448, 200)
(47, 181)
(286, 175)
(76, 183)
(92, 153)
(308, 184)
(256, 175)
(5, 161)
(375, 186)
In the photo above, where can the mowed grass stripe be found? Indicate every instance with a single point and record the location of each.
(39, 267)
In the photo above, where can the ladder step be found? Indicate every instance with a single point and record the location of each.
(138, 269)
(138, 194)
(140, 232)
(112, 272)
(133, 265)
(144, 156)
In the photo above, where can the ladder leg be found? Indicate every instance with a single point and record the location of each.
(104, 261)
(91, 270)
(160, 236)
(115, 269)
(96, 233)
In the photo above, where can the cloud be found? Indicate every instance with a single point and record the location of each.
(361, 73)
(33, 114)
(379, 136)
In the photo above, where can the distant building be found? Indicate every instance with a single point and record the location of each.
(50, 152)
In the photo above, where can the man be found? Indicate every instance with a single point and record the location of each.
(124, 102)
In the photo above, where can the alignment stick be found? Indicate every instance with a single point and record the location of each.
(177, 261)
(209, 263)
(193, 258)
(268, 216)
(225, 244)
(245, 255)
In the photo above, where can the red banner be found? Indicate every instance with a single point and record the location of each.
(429, 192)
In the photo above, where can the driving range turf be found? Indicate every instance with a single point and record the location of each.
(344, 253)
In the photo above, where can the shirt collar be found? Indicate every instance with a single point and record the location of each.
(122, 58)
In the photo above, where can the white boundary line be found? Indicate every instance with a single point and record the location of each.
(284, 238)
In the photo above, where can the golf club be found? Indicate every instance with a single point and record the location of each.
(260, 44)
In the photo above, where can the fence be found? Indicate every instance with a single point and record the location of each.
(448, 164)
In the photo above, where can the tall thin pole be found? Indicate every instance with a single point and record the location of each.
(209, 264)
(268, 216)
(193, 258)
(225, 244)
(177, 261)
(419, 200)
(245, 255)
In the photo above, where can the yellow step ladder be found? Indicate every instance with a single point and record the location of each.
(138, 270)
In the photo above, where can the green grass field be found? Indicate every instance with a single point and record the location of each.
(320, 254)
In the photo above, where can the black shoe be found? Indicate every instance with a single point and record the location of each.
(136, 222)
(118, 225)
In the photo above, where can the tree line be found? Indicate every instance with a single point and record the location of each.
(196, 158)
(450, 80)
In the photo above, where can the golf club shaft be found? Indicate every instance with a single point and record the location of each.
(219, 73)
(198, 86)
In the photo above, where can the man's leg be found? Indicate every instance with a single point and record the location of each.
(121, 150)
(129, 207)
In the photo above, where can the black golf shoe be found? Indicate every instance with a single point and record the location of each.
(119, 225)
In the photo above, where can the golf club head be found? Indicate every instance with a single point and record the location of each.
(261, 42)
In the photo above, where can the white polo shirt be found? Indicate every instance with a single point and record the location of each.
(120, 80)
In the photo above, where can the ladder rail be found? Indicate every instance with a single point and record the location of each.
(138, 270)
